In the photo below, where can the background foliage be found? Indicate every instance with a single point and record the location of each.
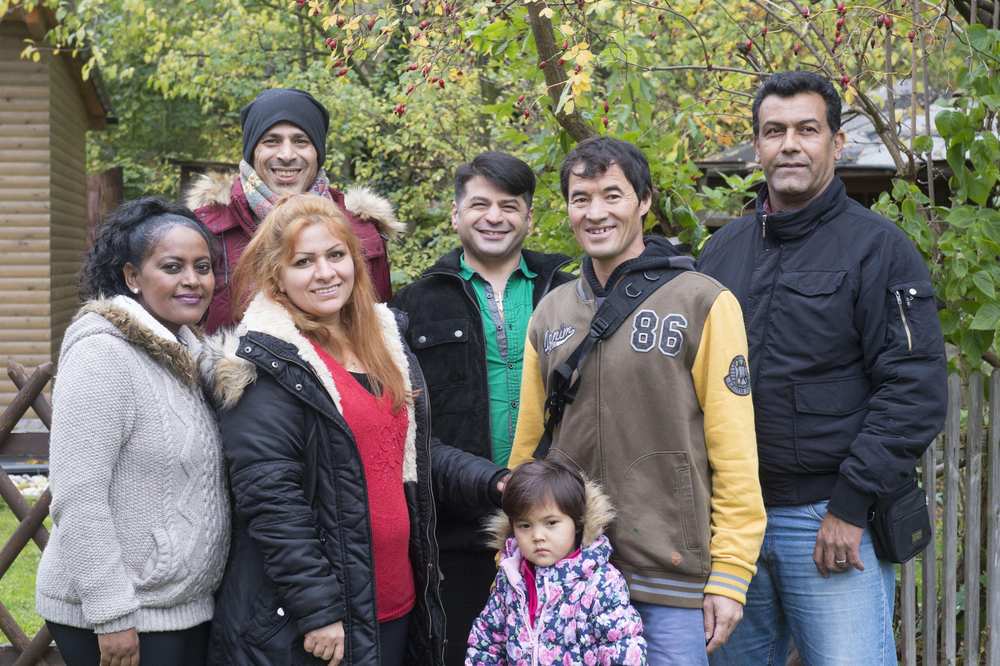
(415, 87)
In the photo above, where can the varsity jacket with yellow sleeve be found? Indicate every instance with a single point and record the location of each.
(663, 419)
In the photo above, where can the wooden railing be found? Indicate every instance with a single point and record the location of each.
(960, 474)
(35, 650)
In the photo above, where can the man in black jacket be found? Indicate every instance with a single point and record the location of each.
(849, 382)
(468, 319)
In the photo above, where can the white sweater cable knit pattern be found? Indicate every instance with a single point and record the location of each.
(139, 503)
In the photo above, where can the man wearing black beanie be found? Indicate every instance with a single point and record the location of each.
(284, 148)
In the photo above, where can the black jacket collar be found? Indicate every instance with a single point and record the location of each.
(792, 224)
(538, 262)
(659, 253)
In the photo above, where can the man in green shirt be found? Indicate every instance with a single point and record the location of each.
(468, 319)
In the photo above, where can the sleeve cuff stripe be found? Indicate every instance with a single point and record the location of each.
(740, 591)
(726, 580)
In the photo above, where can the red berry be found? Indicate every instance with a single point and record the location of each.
(331, 43)
(372, 21)
(340, 21)
(338, 63)
(796, 48)
(520, 100)
(748, 46)
(652, 36)
(425, 70)
(839, 40)
(423, 24)
(805, 12)
(348, 51)
(763, 32)
(577, 68)
(911, 35)
(565, 45)
(841, 8)
(845, 81)
(526, 114)
(562, 62)
(840, 22)
(301, 2)
(409, 88)
(342, 71)
(606, 107)
(400, 109)
(441, 84)
(411, 67)
(605, 121)
(887, 21)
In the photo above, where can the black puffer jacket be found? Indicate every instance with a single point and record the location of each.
(301, 548)
(446, 334)
(846, 355)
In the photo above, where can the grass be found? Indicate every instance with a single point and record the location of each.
(17, 587)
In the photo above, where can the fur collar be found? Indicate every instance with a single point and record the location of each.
(228, 375)
(598, 515)
(141, 329)
(215, 187)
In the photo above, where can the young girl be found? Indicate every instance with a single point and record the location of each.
(557, 600)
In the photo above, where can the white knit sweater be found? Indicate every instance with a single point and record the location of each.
(139, 503)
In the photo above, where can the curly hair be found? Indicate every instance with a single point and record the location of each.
(127, 236)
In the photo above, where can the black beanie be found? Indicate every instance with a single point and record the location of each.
(281, 105)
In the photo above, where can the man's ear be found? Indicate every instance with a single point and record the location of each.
(530, 220)
(454, 215)
(645, 205)
(839, 139)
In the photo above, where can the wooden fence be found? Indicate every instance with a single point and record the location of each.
(929, 633)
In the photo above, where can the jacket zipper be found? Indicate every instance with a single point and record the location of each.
(763, 225)
(906, 325)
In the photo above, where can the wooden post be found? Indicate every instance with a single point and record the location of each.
(993, 541)
(929, 559)
(952, 434)
(908, 613)
(973, 522)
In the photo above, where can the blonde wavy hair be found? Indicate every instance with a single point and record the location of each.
(359, 330)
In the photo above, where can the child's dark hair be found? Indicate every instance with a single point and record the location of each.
(535, 483)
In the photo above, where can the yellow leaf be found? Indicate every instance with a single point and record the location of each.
(546, 13)
(439, 10)
(583, 57)
(569, 106)
(329, 21)
(567, 29)
(849, 95)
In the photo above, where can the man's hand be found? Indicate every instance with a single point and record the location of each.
(119, 648)
(326, 643)
(722, 614)
(838, 546)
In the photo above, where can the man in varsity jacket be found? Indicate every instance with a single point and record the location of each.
(662, 417)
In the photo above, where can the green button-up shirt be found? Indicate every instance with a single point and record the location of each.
(505, 325)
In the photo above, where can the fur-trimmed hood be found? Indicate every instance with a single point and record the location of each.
(227, 375)
(598, 515)
(215, 188)
(137, 326)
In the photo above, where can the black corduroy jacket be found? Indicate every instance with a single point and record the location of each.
(446, 334)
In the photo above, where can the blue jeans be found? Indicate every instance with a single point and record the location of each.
(674, 636)
(844, 619)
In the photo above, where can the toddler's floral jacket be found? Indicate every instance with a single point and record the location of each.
(584, 614)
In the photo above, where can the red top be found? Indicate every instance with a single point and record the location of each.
(380, 435)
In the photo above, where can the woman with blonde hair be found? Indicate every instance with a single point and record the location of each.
(326, 433)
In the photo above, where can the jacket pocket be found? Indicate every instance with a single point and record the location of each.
(810, 310)
(813, 283)
(441, 346)
(660, 524)
(912, 313)
(164, 565)
(267, 620)
(828, 415)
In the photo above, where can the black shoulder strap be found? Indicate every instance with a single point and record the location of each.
(624, 298)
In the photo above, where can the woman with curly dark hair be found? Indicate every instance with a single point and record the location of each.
(139, 504)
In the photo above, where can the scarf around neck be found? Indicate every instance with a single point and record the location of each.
(261, 198)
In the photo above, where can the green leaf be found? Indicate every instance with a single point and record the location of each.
(962, 217)
(923, 144)
(950, 123)
(984, 281)
(987, 317)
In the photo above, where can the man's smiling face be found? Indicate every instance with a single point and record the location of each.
(490, 222)
(286, 160)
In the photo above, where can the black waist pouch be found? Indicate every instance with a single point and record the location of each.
(901, 525)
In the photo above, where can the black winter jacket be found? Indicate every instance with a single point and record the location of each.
(301, 547)
(446, 334)
(846, 355)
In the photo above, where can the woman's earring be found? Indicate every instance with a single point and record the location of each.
(135, 290)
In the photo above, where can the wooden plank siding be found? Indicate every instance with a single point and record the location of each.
(24, 206)
(68, 200)
(43, 201)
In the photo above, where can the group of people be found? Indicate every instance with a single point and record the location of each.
(656, 461)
